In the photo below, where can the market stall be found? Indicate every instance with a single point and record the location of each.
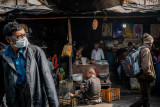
(101, 66)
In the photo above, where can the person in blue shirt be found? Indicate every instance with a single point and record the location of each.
(27, 78)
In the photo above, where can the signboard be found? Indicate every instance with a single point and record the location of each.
(137, 30)
(107, 30)
(155, 30)
(128, 31)
(141, 2)
(117, 31)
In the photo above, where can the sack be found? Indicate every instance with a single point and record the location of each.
(134, 84)
(67, 50)
(132, 62)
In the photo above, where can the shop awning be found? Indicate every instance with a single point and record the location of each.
(26, 9)
(130, 8)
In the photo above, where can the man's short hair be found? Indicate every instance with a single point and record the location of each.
(96, 44)
(91, 70)
(2, 46)
(11, 27)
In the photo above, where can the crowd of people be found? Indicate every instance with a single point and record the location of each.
(28, 76)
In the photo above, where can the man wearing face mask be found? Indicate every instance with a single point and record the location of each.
(27, 78)
(148, 72)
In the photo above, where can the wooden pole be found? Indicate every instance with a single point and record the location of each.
(85, 17)
(70, 42)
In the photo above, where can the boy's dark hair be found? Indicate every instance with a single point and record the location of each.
(55, 53)
(11, 27)
(130, 43)
(2, 46)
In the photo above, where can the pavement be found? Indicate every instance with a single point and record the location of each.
(128, 96)
(126, 101)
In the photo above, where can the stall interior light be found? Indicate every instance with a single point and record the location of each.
(124, 25)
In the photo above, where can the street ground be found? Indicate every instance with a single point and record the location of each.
(126, 101)
(128, 96)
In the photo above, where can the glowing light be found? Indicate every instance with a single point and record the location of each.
(124, 25)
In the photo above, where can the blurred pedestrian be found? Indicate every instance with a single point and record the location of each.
(148, 72)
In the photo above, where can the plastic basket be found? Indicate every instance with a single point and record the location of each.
(110, 94)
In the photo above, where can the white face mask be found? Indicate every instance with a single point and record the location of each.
(21, 43)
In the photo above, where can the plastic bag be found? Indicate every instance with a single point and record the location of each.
(134, 83)
(67, 50)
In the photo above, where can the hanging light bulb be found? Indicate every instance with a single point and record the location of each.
(124, 25)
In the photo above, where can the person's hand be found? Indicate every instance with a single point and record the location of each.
(81, 86)
(71, 95)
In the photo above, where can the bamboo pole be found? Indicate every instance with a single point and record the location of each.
(70, 42)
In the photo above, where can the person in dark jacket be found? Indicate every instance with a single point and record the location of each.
(148, 72)
(2, 47)
(27, 78)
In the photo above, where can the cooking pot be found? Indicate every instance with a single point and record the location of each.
(104, 75)
(77, 77)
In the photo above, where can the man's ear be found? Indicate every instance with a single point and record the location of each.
(7, 39)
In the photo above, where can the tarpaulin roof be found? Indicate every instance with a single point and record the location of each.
(40, 10)
(130, 8)
(26, 9)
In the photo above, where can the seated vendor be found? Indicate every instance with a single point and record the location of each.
(79, 53)
(91, 89)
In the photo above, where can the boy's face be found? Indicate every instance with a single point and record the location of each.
(81, 48)
(49, 58)
(55, 55)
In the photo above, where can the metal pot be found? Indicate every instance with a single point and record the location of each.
(77, 77)
(104, 75)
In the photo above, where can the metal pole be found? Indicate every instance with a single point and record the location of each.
(70, 42)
